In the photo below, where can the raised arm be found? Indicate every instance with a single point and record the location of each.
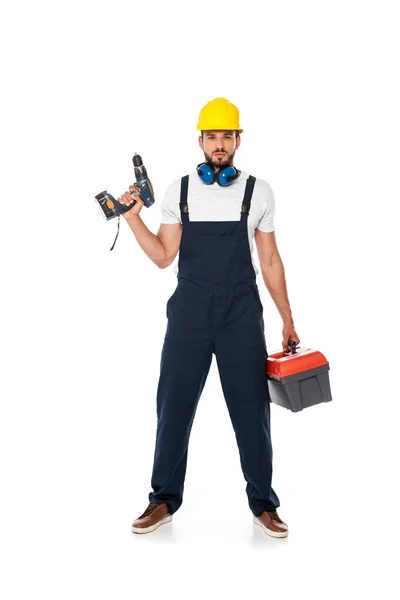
(170, 236)
(161, 248)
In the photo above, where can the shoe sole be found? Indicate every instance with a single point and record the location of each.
(278, 534)
(166, 519)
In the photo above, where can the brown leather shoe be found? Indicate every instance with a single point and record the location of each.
(154, 516)
(271, 523)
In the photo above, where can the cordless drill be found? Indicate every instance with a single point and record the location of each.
(112, 208)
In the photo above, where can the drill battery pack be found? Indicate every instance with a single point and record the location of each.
(298, 380)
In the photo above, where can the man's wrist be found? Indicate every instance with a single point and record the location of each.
(132, 217)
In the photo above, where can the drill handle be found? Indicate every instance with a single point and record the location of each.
(145, 189)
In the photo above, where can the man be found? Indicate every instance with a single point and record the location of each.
(210, 217)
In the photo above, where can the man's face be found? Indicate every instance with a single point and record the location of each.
(219, 147)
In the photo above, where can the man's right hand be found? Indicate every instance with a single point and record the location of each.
(127, 199)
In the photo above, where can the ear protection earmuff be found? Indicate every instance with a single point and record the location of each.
(224, 177)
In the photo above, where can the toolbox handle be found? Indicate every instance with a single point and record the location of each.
(292, 345)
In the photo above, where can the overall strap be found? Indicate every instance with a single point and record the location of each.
(183, 204)
(248, 192)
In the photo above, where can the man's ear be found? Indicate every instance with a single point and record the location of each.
(201, 142)
(238, 140)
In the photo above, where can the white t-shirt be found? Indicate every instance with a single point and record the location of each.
(218, 203)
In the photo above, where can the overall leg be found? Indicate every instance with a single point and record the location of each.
(185, 363)
(241, 355)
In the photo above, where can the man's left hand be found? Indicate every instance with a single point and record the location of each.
(289, 333)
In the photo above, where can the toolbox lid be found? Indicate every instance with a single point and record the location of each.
(280, 365)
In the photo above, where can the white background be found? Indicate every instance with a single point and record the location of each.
(84, 86)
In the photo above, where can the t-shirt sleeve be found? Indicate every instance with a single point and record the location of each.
(170, 212)
(267, 200)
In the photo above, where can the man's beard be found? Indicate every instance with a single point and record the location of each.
(227, 159)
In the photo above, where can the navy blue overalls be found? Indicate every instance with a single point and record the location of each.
(215, 308)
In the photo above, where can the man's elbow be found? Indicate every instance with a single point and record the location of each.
(163, 264)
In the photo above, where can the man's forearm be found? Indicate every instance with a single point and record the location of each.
(274, 279)
(147, 240)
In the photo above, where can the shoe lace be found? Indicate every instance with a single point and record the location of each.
(151, 507)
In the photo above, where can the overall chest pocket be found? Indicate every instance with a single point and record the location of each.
(214, 228)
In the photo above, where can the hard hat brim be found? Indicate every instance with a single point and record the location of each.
(217, 129)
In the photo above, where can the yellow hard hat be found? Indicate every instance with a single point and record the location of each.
(219, 114)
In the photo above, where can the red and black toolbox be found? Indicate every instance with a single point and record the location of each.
(298, 379)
